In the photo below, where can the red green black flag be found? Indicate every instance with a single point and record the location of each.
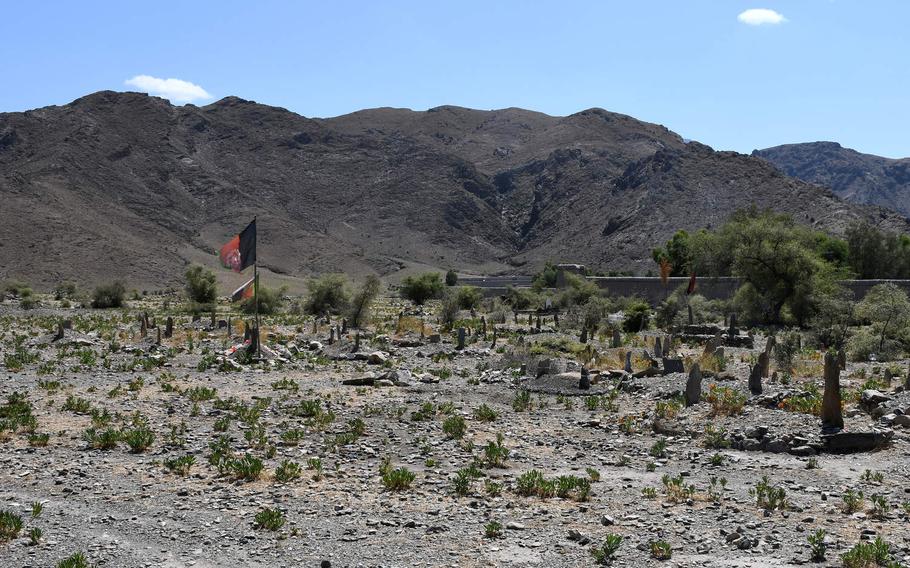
(240, 251)
(244, 292)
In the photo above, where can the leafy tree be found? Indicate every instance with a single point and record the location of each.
(578, 292)
(451, 278)
(887, 307)
(423, 287)
(521, 298)
(328, 294)
(833, 318)
(109, 296)
(678, 252)
(448, 308)
(200, 285)
(65, 291)
(363, 300)
(546, 278)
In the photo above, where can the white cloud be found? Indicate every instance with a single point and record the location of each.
(175, 90)
(761, 16)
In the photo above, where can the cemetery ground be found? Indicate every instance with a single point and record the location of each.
(116, 450)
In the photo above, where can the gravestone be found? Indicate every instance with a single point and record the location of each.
(584, 383)
(755, 376)
(229, 328)
(770, 344)
(888, 377)
(628, 366)
(493, 345)
(169, 327)
(668, 344)
(673, 365)
(60, 332)
(212, 325)
(556, 319)
(658, 349)
(832, 416)
(538, 322)
(357, 342)
(143, 329)
(617, 338)
(461, 337)
(842, 360)
(584, 335)
(693, 385)
(247, 335)
(483, 323)
(764, 363)
(158, 337)
(732, 331)
(344, 325)
(515, 317)
(331, 335)
(530, 320)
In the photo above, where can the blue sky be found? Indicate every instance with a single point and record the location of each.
(829, 70)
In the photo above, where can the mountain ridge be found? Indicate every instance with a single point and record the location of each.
(128, 186)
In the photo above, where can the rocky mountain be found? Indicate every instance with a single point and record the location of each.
(123, 185)
(853, 176)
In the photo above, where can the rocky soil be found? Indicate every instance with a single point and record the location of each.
(651, 475)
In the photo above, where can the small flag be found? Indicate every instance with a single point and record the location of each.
(240, 251)
(244, 292)
(691, 287)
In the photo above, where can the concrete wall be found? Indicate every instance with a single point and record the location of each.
(651, 289)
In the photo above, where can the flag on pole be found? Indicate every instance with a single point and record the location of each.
(691, 287)
(244, 292)
(240, 251)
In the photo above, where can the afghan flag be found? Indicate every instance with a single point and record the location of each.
(240, 251)
(691, 287)
(245, 291)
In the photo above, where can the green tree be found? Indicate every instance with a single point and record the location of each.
(327, 294)
(469, 297)
(200, 285)
(451, 278)
(546, 278)
(678, 252)
(363, 300)
(887, 308)
(423, 287)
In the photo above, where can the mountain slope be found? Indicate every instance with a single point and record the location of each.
(123, 185)
(853, 176)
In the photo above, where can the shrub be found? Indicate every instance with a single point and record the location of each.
(451, 278)
(725, 401)
(181, 465)
(10, 525)
(769, 497)
(363, 300)
(661, 550)
(396, 479)
(636, 317)
(419, 289)
(65, 291)
(200, 285)
(269, 519)
(604, 553)
(109, 296)
(287, 470)
(496, 453)
(454, 427)
(484, 413)
(868, 555)
(521, 299)
(77, 560)
(817, 545)
(469, 297)
(139, 438)
(493, 529)
(327, 294)
(270, 301)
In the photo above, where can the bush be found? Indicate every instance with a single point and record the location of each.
(579, 291)
(270, 301)
(200, 285)
(363, 300)
(448, 308)
(419, 289)
(65, 291)
(327, 294)
(109, 296)
(469, 297)
(521, 299)
(546, 278)
(451, 278)
(636, 318)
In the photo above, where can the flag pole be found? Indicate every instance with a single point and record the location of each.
(256, 295)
